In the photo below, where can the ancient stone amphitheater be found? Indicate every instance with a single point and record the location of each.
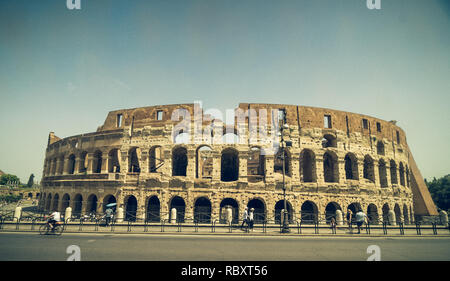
(155, 159)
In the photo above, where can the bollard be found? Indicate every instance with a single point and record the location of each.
(119, 215)
(68, 213)
(339, 218)
(173, 215)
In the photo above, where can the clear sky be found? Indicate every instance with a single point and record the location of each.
(63, 70)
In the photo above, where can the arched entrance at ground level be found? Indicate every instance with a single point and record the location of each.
(229, 203)
(130, 208)
(153, 209)
(178, 203)
(91, 204)
(55, 203)
(372, 213)
(398, 214)
(330, 211)
(48, 203)
(65, 202)
(309, 212)
(202, 210)
(354, 207)
(77, 206)
(109, 199)
(259, 214)
(279, 206)
(405, 214)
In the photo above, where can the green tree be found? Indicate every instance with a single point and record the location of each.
(30, 181)
(4, 179)
(440, 191)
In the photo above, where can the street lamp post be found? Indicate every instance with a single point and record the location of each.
(285, 228)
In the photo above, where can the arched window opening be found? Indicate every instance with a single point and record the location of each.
(368, 170)
(109, 199)
(330, 167)
(330, 211)
(380, 148)
(372, 213)
(229, 165)
(278, 162)
(308, 166)
(382, 173)
(179, 161)
(155, 159)
(71, 167)
(204, 162)
(130, 208)
(77, 206)
(133, 166)
(113, 161)
(329, 141)
(402, 174)
(393, 170)
(351, 167)
(92, 204)
(398, 214)
(97, 162)
(83, 162)
(255, 165)
(55, 203)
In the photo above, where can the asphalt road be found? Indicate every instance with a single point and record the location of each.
(155, 247)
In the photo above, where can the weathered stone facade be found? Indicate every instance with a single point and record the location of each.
(337, 160)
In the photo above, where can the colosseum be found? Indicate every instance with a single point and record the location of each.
(153, 160)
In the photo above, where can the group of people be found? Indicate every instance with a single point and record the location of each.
(248, 218)
(360, 219)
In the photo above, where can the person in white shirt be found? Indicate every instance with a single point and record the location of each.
(245, 218)
(54, 218)
(250, 218)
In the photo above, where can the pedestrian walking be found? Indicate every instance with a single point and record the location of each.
(349, 219)
(250, 218)
(108, 215)
(360, 218)
(245, 218)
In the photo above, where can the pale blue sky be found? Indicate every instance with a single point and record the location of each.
(63, 70)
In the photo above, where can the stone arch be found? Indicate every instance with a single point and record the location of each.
(385, 209)
(108, 199)
(153, 209)
(329, 140)
(354, 207)
(133, 161)
(130, 203)
(256, 165)
(351, 166)
(202, 210)
(372, 213)
(401, 171)
(330, 211)
(260, 209)
(179, 161)
(71, 167)
(65, 202)
(382, 173)
(308, 166)
(178, 203)
(330, 167)
(233, 204)
(309, 212)
(83, 162)
(368, 169)
(398, 213)
(113, 161)
(380, 148)
(229, 165)
(204, 160)
(393, 170)
(279, 206)
(91, 204)
(55, 202)
(278, 162)
(155, 159)
(77, 205)
(405, 214)
(97, 162)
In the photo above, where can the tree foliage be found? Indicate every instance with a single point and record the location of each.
(30, 181)
(440, 191)
(4, 179)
